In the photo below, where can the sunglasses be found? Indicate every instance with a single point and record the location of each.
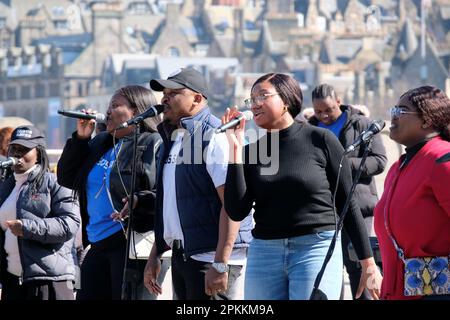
(397, 112)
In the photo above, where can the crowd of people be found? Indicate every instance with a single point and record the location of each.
(281, 213)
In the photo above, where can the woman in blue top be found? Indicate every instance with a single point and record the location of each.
(99, 170)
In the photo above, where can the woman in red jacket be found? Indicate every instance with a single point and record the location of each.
(412, 219)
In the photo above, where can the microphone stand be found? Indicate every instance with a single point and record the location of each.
(131, 276)
(316, 293)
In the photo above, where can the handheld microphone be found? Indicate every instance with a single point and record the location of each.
(247, 115)
(11, 161)
(151, 112)
(99, 117)
(375, 127)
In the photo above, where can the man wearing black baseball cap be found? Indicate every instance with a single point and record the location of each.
(189, 213)
(188, 78)
(185, 94)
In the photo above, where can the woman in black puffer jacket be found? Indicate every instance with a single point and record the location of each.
(39, 220)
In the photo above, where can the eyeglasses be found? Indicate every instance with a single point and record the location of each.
(396, 112)
(258, 99)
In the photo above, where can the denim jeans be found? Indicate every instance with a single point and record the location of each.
(285, 269)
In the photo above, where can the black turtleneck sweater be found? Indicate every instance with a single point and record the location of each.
(411, 152)
(297, 199)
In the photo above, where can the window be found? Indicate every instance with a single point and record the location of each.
(25, 92)
(18, 62)
(80, 89)
(11, 93)
(139, 8)
(54, 89)
(39, 89)
(61, 25)
(174, 52)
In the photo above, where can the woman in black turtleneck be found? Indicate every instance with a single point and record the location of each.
(293, 205)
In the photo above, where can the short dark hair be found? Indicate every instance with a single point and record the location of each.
(288, 89)
(433, 106)
(323, 91)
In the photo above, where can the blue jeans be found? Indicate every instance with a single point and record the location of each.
(285, 269)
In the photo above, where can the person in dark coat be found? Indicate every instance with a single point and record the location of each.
(39, 220)
(347, 123)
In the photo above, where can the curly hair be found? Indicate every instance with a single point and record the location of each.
(433, 106)
(5, 138)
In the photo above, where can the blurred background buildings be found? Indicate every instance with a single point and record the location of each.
(75, 53)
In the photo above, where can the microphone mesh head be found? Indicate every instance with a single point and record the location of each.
(379, 125)
(159, 108)
(100, 117)
(248, 115)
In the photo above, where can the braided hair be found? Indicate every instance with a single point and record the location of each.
(43, 162)
(433, 106)
(323, 91)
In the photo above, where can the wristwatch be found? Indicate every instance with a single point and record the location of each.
(220, 267)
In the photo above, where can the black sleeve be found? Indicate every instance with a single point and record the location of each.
(238, 198)
(376, 159)
(354, 221)
(72, 159)
(145, 209)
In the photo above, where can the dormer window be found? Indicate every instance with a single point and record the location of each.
(61, 24)
(139, 8)
(174, 52)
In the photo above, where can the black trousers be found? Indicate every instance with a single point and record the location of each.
(188, 278)
(353, 269)
(102, 269)
(12, 290)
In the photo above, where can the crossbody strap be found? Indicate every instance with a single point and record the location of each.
(400, 252)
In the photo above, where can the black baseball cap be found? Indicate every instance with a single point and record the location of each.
(27, 136)
(184, 78)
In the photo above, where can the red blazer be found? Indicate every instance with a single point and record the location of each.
(418, 213)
